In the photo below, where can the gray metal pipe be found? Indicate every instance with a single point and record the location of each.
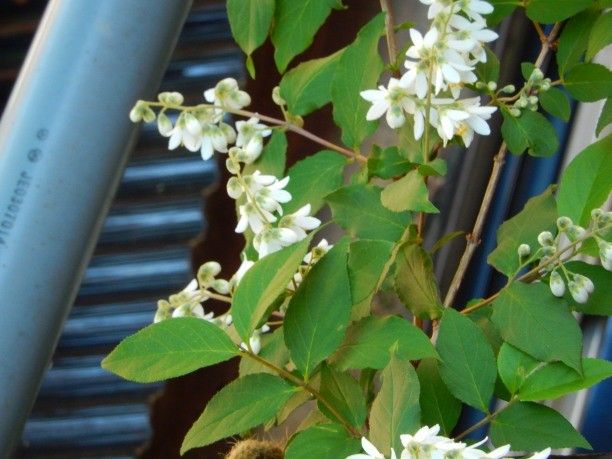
(64, 139)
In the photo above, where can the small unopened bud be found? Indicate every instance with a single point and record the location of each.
(545, 86)
(508, 89)
(522, 102)
(536, 75)
(232, 165)
(585, 282)
(491, 85)
(533, 100)
(171, 98)
(556, 284)
(563, 223)
(548, 251)
(207, 272)
(480, 85)
(164, 125)
(515, 112)
(524, 250)
(579, 292)
(545, 238)
(234, 188)
(605, 254)
(276, 97)
(575, 232)
(220, 285)
(596, 214)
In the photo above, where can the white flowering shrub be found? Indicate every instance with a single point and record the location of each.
(300, 316)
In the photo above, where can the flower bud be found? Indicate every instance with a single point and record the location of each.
(515, 112)
(276, 97)
(575, 232)
(232, 165)
(564, 223)
(255, 343)
(164, 125)
(585, 282)
(138, 111)
(522, 102)
(579, 292)
(524, 250)
(545, 238)
(220, 285)
(164, 311)
(605, 254)
(480, 85)
(508, 89)
(171, 98)
(533, 100)
(536, 75)
(234, 188)
(596, 214)
(491, 85)
(556, 284)
(545, 86)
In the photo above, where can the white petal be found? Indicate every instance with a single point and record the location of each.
(377, 110)
(175, 138)
(369, 447)
(206, 150)
(372, 95)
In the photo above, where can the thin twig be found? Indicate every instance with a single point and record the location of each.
(484, 420)
(390, 33)
(474, 238)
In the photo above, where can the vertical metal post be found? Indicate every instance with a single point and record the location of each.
(64, 139)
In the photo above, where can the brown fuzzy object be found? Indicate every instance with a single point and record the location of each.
(255, 449)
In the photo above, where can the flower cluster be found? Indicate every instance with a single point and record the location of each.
(527, 98)
(426, 443)
(438, 65)
(552, 247)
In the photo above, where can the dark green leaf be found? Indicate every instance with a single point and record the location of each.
(555, 102)
(574, 39)
(170, 348)
(322, 442)
(555, 380)
(502, 9)
(468, 364)
(311, 179)
(344, 394)
(589, 82)
(241, 405)
(523, 308)
(358, 70)
(262, 284)
(306, 87)
(367, 266)
(272, 349)
(387, 163)
(530, 131)
(549, 11)
(601, 35)
(605, 118)
(438, 405)
(357, 208)
(319, 312)
(295, 27)
(489, 70)
(586, 182)
(408, 193)
(415, 282)
(532, 427)
(539, 214)
(368, 343)
(395, 409)
(600, 301)
(514, 367)
(273, 157)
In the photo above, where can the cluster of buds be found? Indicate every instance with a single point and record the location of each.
(426, 443)
(440, 64)
(528, 96)
(310, 259)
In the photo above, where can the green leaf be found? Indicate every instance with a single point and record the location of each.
(532, 427)
(468, 365)
(367, 267)
(549, 11)
(605, 118)
(514, 367)
(387, 163)
(489, 70)
(262, 284)
(586, 182)
(438, 405)
(601, 35)
(306, 87)
(408, 193)
(368, 343)
(357, 209)
(344, 394)
(600, 301)
(415, 282)
(168, 349)
(295, 27)
(250, 22)
(555, 102)
(530, 131)
(447, 238)
(358, 70)
(240, 405)
(272, 349)
(502, 9)
(574, 39)
(522, 308)
(312, 178)
(273, 157)
(556, 379)
(438, 167)
(539, 214)
(319, 312)
(395, 409)
(589, 82)
(321, 442)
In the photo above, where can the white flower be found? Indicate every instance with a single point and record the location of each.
(187, 132)
(256, 181)
(228, 95)
(470, 36)
(476, 120)
(250, 137)
(541, 454)
(300, 221)
(371, 452)
(190, 310)
(422, 443)
(497, 453)
(393, 100)
(269, 196)
(449, 120)
(272, 240)
(213, 139)
(164, 125)
(253, 216)
(585, 282)
(556, 284)
(317, 252)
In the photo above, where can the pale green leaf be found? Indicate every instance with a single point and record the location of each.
(250, 22)
(395, 409)
(368, 343)
(408, 193)
(549, 11)
(605, 118)
(322, 442)
(359, 69)
(522, 308)
(387, 163)
(574, 39)
(601, 35)
(168, 349)
(589, 82)
(586, 183)
(319, 312)
(238, 406)
(502, 9)
(468, 364)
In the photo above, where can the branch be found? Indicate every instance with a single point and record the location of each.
(484, 420)
(390, 33)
